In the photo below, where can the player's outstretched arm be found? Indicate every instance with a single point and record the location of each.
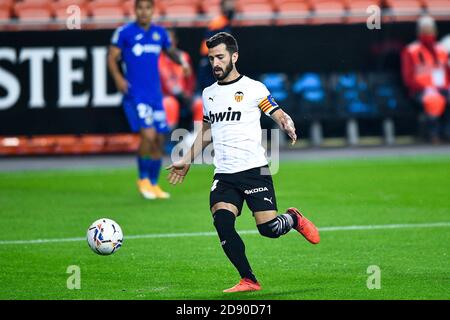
(286, 124)
(175, 55)
(179, 169)
(113, 57)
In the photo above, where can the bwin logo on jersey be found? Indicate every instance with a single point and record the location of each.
(256, 190)
(225, 116)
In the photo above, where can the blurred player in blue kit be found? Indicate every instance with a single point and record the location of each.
(138, 45)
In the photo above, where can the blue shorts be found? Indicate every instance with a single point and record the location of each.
(144, 115)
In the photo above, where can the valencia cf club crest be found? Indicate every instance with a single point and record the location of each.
(238, 96)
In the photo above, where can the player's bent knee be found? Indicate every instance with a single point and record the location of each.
(275, 227)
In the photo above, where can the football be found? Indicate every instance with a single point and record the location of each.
(104, 236)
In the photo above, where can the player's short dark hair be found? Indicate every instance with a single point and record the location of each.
(152, 2)
(225, 38)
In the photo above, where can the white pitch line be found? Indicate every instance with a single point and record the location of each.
(207, 234)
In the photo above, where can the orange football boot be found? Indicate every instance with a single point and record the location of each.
(245, 285)
(146, 189)
(159, 193)
(305, 227)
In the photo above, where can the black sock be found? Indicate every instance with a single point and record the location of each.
(294, 218)
(232, 243)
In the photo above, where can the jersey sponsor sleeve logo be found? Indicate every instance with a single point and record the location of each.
(268, 105)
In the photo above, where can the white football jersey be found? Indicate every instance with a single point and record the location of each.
(234, 110)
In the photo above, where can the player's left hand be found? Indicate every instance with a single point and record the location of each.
(288, 126)
(178, 170)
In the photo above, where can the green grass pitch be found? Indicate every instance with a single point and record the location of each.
(414, 260)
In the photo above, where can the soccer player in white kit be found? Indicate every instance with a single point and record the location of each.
(232, 109)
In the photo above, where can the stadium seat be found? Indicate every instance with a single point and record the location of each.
(389, 94)
(210, 8)
(7, 3)
(292, 12)
(327, 11)
(352, 96)
(33, 10)
(106, 9)
(311, 97)
(255, 13)
(66, 3)
(277, 84)
(60, 8)
(128, 7)
(107, 13)
(182, 14)
(106, 3)
(439, 9)
(6, 7)
(405, 10)
(5, 14)
(34, 3)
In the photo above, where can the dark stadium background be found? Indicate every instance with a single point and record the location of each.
(326, 49)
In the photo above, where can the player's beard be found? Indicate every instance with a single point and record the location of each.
(225, 73)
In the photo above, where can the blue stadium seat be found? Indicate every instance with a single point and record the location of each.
(353, 96)
(277, 84)
(388, 93)
(311, 96)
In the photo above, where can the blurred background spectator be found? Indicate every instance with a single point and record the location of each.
(426, 73)
(178, 89)
(219, 23)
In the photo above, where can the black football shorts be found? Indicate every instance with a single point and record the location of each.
(249, 185)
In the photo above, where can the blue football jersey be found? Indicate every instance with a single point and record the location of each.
(140, 54)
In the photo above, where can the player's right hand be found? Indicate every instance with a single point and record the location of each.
(178, 170)
(122, 85)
